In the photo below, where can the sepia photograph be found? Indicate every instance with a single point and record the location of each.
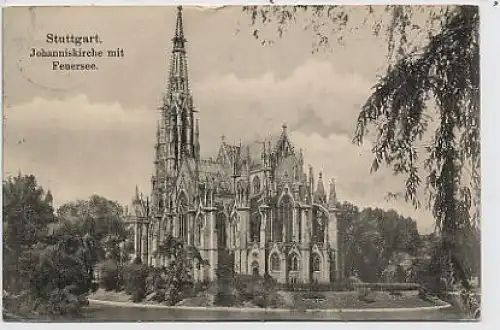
(241, 163)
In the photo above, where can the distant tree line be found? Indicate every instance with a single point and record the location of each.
(372, 241)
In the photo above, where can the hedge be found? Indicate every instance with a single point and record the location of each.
(345, 286)
(388, 286)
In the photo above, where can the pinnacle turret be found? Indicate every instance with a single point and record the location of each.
(179, 30)
(320, 195)
(49, 198)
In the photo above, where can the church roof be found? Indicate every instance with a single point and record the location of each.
(210, 166)
(253, 149)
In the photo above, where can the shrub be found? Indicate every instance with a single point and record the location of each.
(335, 286)
(60, 302)
(313, 295)
(134, 276)
(260, 291)
(388, 286)
(110, 277)
(273, 299)
(225, 299)
(244, 285)
(260, 295)
(365, 294)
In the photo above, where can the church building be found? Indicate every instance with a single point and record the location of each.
(253, 206)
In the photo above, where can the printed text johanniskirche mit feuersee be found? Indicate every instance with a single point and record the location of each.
(71, 47)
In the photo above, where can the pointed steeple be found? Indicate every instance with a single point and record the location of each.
(248, 155)
(178, 65)
(311, 182)
(320, 195)
(178, 112)
(137, 194)
(49, 199)
(284, 127)
(283, 147)
(179, 30)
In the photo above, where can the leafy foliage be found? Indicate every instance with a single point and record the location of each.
(400, 25)
(110, 275)
(447, 70)
(255, 289)
(100, 218)
(431, 82)
(372, 238)
(134, 277)
(26, 215)
(49, 261)
(55, 276)
(178, 275)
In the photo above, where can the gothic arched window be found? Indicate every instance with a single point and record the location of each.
(299, 225)
(286, 215)
(277, 227)
(199, 225)
(318, 226)
(220, 225)
(293, 262)
(255, 228)
(234, 237)
(316, 263)
(183, 218)
(275, 262)
(256, 185)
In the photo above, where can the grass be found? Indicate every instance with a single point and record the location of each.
(134, 314)
(101, 294)
(344, 300)
(290, 300)
(295, 301)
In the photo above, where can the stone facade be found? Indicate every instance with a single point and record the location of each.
(253, 205)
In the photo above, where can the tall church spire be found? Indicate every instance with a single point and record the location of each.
(179, 31)
(179, 111)
(178, 64)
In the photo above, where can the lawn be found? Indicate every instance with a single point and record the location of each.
(295, 301)
(290, 300)
(97, 313)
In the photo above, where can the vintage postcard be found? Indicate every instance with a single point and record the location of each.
(266, 163)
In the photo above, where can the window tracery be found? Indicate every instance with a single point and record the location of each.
(199, 225)
(256, 185)
(293, 263)
(316, 263)
(183, 216)
(275, 262)
(286, 217)
(220, 225)
(255, 227)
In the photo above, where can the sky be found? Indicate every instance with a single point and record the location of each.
(92, 132)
